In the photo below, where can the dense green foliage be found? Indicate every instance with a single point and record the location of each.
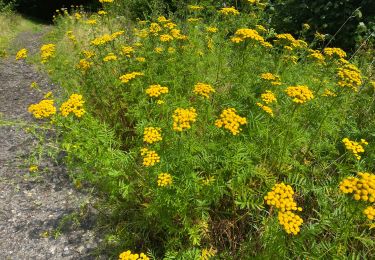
(219, 179)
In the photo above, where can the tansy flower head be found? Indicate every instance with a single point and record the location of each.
(266, 109)
(156, 90)
(128, 255)
(273, 78)
(231, 121)
(43, 109)
(73, 105)
(299, 94)
(369, 212)
(203, 89)
(127, 77)
(334, 52)
(150, 157)
(164, 179)
(21, 54)
(349, 76)
(229, 11)
(195, 7)
(47, 51)
(152, 135)
(268, 97)
(212, 29)
(355, 147)
(110, 57)
(127, 50)
(166, 38)
(362, 187)
(182, 118)
(290, 221)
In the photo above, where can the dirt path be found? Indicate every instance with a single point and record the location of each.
(38, 214)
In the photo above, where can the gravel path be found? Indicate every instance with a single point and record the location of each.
(42, 216)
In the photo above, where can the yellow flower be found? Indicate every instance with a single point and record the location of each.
(127, 77)
(231, 121)
(47, 51)
(193, 20)
(229, 11)
(43, 109)
(195, 7)
(244, 33)
(266, 109)
(73, 105)
(150, 157)
(369, 212)
(84, 65)
(329, 93)
(106, 1)
(334, 52)
(101, 12)
(88, 54)
(170, 25)
(91, 21)
(273, 78)
(33, 168)
(160, 102)
(355, 147)
(127, 50)
(260, 28)
(164, 179)
(349, 76)
(155, 28)
(203, 89)
(162, 19)
(182, 118)
(127, 255)
(140, 59)
(299, 94)
(166, 38)
(362, 187)
(268, 97)
(21, 54)
(281, 197)
(156, 90)
(158, 50)
(316, 56)
(152, 135)
(290, 221)
(110, 57)
(211, 29)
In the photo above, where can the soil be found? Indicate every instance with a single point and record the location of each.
(42, 215)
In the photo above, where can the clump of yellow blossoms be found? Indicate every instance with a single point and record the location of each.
(182, 118)
(162, 19)
(265, 108)
(106, 38)
(47, 51)
(207, 253)
(281, 197)
(43, 109)
(268, 97)
(329, 93)
(140, 59)
(349, 76)
(203, 89)
(155, 28)
(164, 179)
(84, 64)
(242, 34)
(334, 52)
(231, 121)
(369, 212)
(127, 255)
(73, 105)
(127, 50)
(150, 157)
(166, 38)
(355, 147)
(195, 7)
(363, 188)
(127, 77)
(158, 49)
(101, 12)
(290, 221)
(317, 56)
(274, 79)
(88, 54)
(229, 11)
(156, 90)
(21, 54)
(289, 42)
(152, 135)
(106, 1)
(110, 57)
(211, 29)
(300, 94)
(33, 168)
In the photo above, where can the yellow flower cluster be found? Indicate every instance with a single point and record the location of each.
(127, 50)
(43, 109)
(73, 105)
(21, 54)
(329, 93)
(106, 38)
(84, 64)
(289, 42)
(156, 90)
(260, 28)
(140, 59)
(164, 179)
(281, 197)
(106, 1)
(110, 57)
(290, 58)
(290, 221)
(91, 21)
(127, 77)
(316, 56)
(158, 49)
(334, 52)
(88, 54)
(349, 76)
(369, 212)
(211, 29)
(362, 187)
(176, 33)
(265, 108)
(101, 12)
(268, 97)
(71, 36)
(242, 34)
(195, 7)
(150, 157)
(152, 135)
(47, 51)
(33, 168)
(182, 118)
(127, 255)
(274, 79)
(162, 19)
(231, 121)
(203, 89)
(300, 94)
(355, 147)
(229, 11)
(166, 38)
(155, 28)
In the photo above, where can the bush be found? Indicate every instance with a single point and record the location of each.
(187, 131)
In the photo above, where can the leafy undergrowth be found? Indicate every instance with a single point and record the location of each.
(214, 136)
